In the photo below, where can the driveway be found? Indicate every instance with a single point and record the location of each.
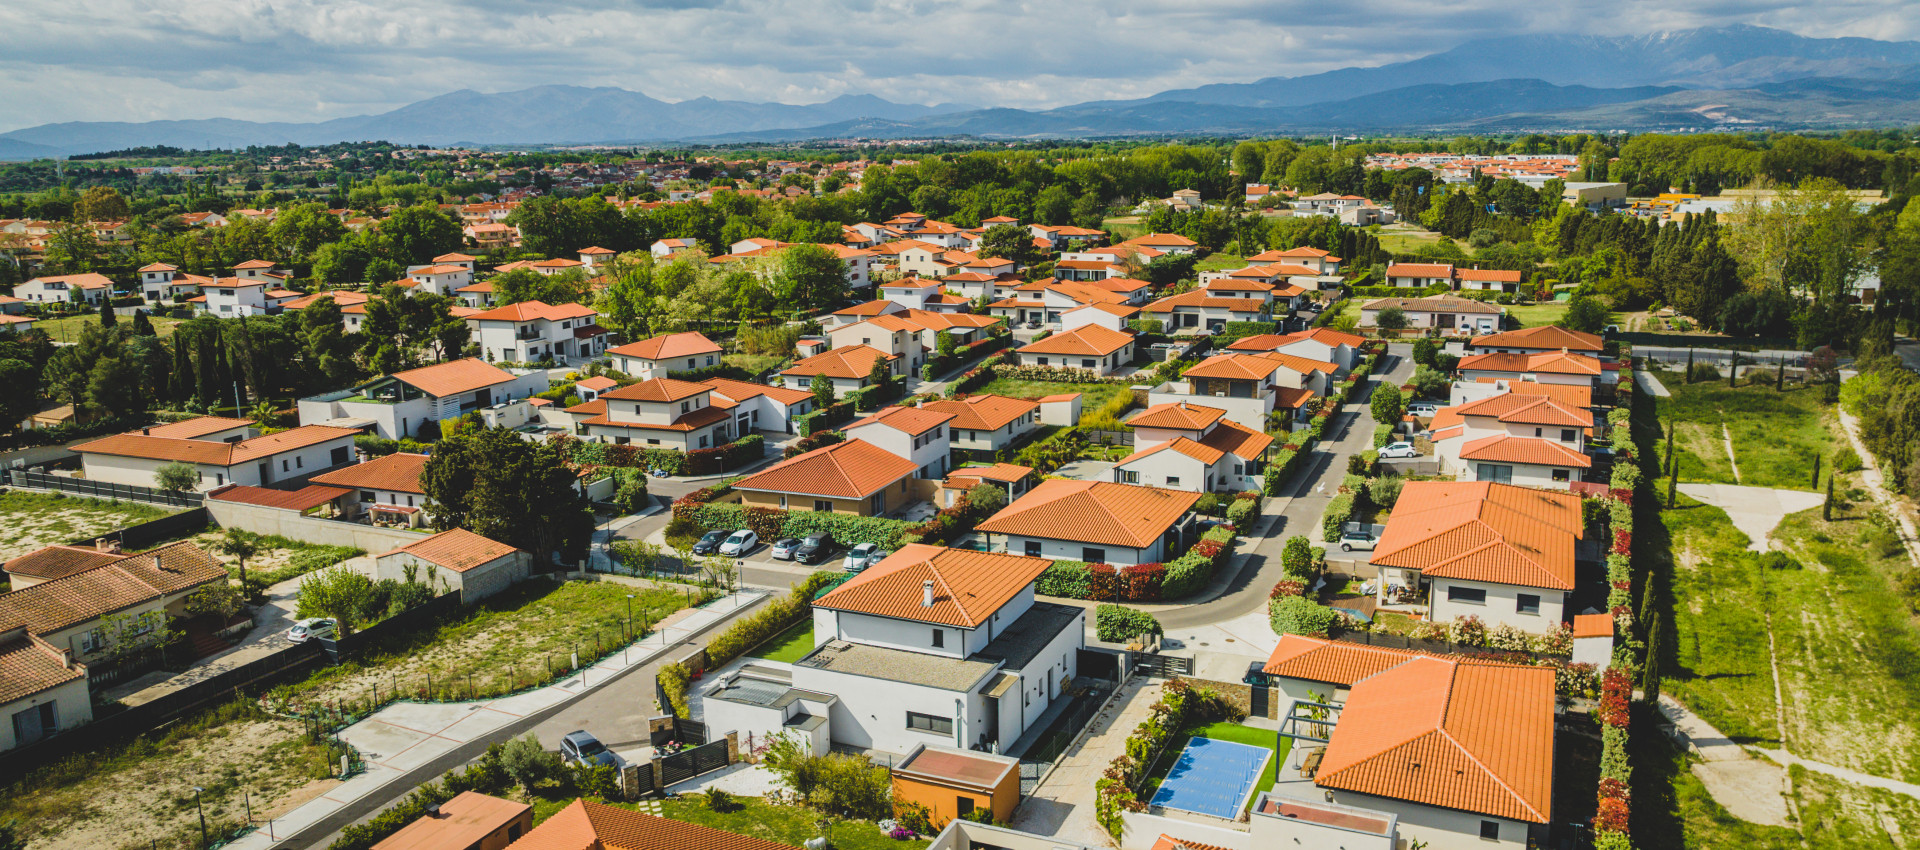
(1062, 806)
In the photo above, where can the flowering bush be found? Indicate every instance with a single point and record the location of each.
(1509, 638)
(1616, 693)
(1573, 679)
(1468, 630)
(1287, 587)
(1557, 641)
(1623, 542)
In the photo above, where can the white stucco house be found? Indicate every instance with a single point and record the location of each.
(456, 561)
(531, 331)
(1514, 438)
(655, 357)
(1095, 522)
(1502, 553)
(918, 434)
(1183, 446)
(1451, 315)
(218, 457)
(396, 405)
(988, 423)
(660, 413)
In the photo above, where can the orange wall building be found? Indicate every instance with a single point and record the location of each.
(951, 783)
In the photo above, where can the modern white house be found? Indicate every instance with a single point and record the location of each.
(988, 423)
(1372, 728)
(1252, 388)
(388, 487)
(1323, 344)
(161, 283)
(659, 413)
(396, 405)
(846, 367)
(439, 278)
(758, 407)
(134, 457)
(1502, 553)
(88, 288)
(655, 357)
(931, 646)
(533, 331)
(1094, 521)
(893, 334)
(1183, 446)
(1514, 438)
(918, 434)
(1451, 315)
(1091, 347)
(457, 561)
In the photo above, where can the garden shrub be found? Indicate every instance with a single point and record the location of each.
(1385, 490)
(847, 529)
(1116, 623)
(1339, 511)
(1297, 559)
(1383, 434)
(1242, 512)
(1298, 615)
(1068, 579)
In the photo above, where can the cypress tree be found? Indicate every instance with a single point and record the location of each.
(107, 319)
(1656, 644)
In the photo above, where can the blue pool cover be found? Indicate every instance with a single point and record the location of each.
(1212, 777)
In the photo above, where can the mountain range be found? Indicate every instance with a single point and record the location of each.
(1721, 77)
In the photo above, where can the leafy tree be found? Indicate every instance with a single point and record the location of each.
(503, 488)
(1387, 404)
(418, 234)
(127, 633)
(176, 477)
(529, 763)
(638, 556)
(239, 545)
(984, 500)
(1297, 558)
(1392, 319)
(809, 277)
(337, 593)
(107, 318)
(221, 600)
(1766, 313)
(19, 392)
(823, 395)
(102, 203)
(143, 326)
(1430, 383)
(1424, 350)
(1013, 241)
(1586, 314)
(519, 285)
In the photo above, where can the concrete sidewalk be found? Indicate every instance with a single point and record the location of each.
(404, 736)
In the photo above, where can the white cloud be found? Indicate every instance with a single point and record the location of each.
(305, 60)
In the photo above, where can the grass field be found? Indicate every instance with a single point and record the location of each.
(1094, 395)
(1776, 435)
(754, 363)
(1124, 227)
(34, 520)
(1406, 241)
(69, 328)
(790, 825)
(789, 646)
(1536, 315)
(1223, 731)
(1220, 263)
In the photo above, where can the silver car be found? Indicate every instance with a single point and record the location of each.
(313, 627)
(1399, 450)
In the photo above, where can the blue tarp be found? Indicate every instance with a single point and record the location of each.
(1212, 777)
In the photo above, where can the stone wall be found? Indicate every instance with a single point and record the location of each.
(323, 532)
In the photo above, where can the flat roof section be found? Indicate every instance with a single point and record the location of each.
(896, 665)
(976, 770)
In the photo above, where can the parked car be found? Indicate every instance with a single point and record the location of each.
(1423, 409)
(580, 747)
(1399, 450)
(709, 542)
(814, 549)
(740, 543)
(783, 548)
(1256, 674)
(1355, 535)
(312, 627)
(862, 556)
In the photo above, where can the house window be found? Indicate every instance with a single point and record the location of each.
(1527, 603)
(1537, 431)
(1033, 548)
(1490, 830)
(939, 637)
(1466, 595)
(1568, 435)
(929, 723)
(684, 407)
(366, 496)
(283, 465)
(1093, 556)
(1043, 361)
(823, 506)
(1498, 473)
(703, 441)
(1563, 475)
(620, 441)
(1128, 476)
(963, 805)
(299, 462)
(1088, 364)
(1173, 481)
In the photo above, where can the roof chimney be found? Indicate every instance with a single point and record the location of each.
(107, 544)
(146, 432)
(926, 594)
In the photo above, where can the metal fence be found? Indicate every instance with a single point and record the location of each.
(102, 489)
(1053, 743)
(1109, 438)
(1437, 647)
(348, 646)
(135, 537)
(687, 764)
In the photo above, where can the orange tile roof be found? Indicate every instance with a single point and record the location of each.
(1506, 448)
(716, 410)
(870, 308)
(1330, 661)
(1460, 735)
(685, 344)
(1489, 275)
(527, 311)
(854, 469)
(454, 377)
(658, 391)
(310, 496)
(1420, 270)
(398, 472)
(457, 549)
(1545, 337)
(1205, 454)
(1299, 364)
(1058, 397)
(996, 472)
(587, 825)
(1093, 512)
(131, 580)
(196, 427)
(742, 390)
(1432, 303)
(1553, 362)
(56, 561)
(1328, 336)
(968, 586)
(984, 412)
(1527, 409)
(1237, 440)
(1090, 340)
(1291, 398)
(1180, 416)
(1482, 531)
(29, 665)
(210, 453)
(1576, 397)
(909, 420)
(1259, 342)
(596, 383)
(1168, 842)
(1200, 298)
(1241, 367)
(462, 822)
(850, 361)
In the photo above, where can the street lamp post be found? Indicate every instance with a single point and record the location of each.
(197, 791)
(626, 649)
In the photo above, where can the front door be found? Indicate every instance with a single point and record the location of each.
(266, 474)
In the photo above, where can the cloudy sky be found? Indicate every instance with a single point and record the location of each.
(306, 60)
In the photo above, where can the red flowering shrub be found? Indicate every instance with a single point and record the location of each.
(1101, 582)
(1623, 543)
(1141, 582)
(1611, 815)
(1206, 549)
(1616, 693)
(1287, 587)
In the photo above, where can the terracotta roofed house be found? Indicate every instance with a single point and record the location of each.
(852, 477)
(988, 423)
(400, 404)
(847, 367)
(387, 486)
(657, 412)
(134, 457)
(1541, 340)
(1502, 553)
(589, 825)
(1094, 521)
(458, 560)
(1100, 350)
(656, 356)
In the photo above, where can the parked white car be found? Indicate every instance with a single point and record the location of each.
(862, 556)
(312, 627)
(740, 543)
(1399, 450)
(1423, 409)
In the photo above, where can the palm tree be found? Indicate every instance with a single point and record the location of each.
(262, 412)
(240, 545)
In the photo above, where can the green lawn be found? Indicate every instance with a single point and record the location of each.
(753, 363)
(790, 825)
(1776, 435)
(1406, 241)
(1536, 315)
(789, 646)
(69, 328)
(34, 520)
(1220, 263)
(1223, 731)
(1124, 227)
(1094, 395)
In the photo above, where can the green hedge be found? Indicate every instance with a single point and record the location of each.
(825, 418)
(1339, 511)
(776, 617)
(1115, 623)
(1280, 470)
(847, 529)
(1382, 434)
(1068, 579)
(718, 370)
(1298, 615)
(1235, 331)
